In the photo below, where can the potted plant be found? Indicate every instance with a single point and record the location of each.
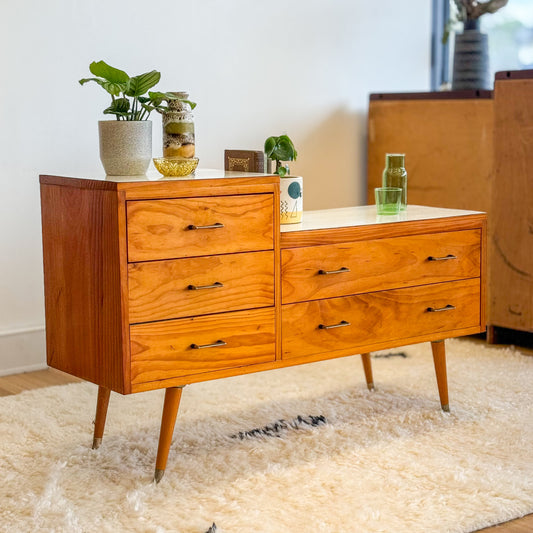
(281, 149)
(126, 143)
(471, 53)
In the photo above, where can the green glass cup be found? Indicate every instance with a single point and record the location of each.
(388, 200)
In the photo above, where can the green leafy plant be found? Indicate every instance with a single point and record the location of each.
(469, 10)
(280, 149)
(129, 98)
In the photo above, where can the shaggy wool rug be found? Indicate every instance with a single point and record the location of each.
(303, 449)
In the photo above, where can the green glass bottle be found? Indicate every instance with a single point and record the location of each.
(395, 175)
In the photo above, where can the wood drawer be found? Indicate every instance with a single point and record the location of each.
(165, 229)
(378, 265)
(160, 290)
(162, 350)
(378, 317)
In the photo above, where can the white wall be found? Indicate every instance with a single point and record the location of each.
(302, 67)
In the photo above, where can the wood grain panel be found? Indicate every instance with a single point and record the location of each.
(378, 265)
(159, 290)
(159, 229)
(448, 146)
(378, 317)
(82, 265)
(511, 246)
(295, 239)
(163, 350)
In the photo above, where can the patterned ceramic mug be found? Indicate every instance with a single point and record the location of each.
(291, 199)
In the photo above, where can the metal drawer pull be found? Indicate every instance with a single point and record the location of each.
(445, 258)
(214, 345)
(340, 271)
(341, 324)
(210, 226)
(437, 309)
(215, 285)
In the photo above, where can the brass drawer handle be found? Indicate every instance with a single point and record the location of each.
(215, 285)
(209, 226)
(437, 309)
(445, 258)
(214, 345)
(341, 324)
(340, 271)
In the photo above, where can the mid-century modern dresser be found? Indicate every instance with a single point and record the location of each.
(154, 284)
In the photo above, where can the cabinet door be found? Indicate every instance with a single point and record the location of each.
(315, 272)
(340, 324)
(174, 348)
(189, 227)
(176, 288)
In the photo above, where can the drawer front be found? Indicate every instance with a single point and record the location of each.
(190, 227)
(176, 288)
(378, 317)
(316, 272)
(163, 350)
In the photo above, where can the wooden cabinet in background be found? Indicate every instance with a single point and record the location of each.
(511, 250)
(447, 141)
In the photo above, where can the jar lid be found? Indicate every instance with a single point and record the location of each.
(395, 160)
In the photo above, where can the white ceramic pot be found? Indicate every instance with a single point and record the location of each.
(125, 146)
(291, 199)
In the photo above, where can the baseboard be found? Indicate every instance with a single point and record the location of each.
(22, 350)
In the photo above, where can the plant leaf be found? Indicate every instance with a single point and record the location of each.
(109, 73)
(270, 144)
(157, 97)
(139, 85)
(282, 171)
(280, 148)
(112, 88)
(120, 106)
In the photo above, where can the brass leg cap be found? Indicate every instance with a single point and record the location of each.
(370, 386)
(446, 408)
(158, 475)
(96, 443)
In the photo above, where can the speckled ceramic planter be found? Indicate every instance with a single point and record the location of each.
(125, 146)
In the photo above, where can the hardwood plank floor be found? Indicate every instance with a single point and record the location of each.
(45, 378)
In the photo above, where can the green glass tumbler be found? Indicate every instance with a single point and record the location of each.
(395, 175)
(388, 200)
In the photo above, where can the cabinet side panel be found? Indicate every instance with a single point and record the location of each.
(511, 246)
(82, 284)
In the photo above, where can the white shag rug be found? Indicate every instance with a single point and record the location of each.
(384, 461)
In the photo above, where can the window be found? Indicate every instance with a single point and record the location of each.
(510, 32)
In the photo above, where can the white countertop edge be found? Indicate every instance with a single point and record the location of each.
(366, 215)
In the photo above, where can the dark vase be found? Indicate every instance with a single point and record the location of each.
(471, 58)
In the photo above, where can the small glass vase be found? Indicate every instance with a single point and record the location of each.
(395, 175)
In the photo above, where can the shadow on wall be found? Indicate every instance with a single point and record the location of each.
(332, 161)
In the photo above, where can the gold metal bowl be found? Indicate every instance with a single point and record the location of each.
(176, 166)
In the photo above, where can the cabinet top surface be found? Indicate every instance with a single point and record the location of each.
(366, 215)
(101, 181)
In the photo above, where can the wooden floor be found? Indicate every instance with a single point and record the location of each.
(45, 378)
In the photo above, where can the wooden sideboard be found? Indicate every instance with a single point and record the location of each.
(164, 283)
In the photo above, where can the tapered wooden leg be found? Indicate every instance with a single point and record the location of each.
(101, 412)
(168, 420)
(439, 359)
(367, 367)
